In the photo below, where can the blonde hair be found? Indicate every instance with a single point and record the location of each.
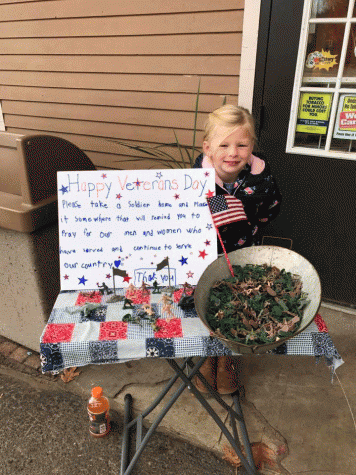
(230, 117)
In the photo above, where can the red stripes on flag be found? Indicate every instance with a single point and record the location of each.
(226, 209)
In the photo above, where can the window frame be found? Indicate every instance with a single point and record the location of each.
(336, 89)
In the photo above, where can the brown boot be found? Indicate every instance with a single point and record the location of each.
(208, 370)
(226, 379)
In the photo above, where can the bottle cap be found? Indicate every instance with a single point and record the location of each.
(97, 392)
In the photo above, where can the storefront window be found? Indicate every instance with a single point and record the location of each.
(329, 8)
(324, 50)
(350, 62)
(323, 112)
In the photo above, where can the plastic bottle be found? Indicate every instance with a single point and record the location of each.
(98, 410)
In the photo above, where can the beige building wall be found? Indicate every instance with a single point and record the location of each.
(92, 71)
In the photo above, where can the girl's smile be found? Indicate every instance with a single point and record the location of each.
(229, 154)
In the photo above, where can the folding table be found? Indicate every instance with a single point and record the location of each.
(97, 327)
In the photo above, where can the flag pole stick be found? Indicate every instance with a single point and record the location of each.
(225, 253)
(169, 275)
(222, 244)
(113, 280)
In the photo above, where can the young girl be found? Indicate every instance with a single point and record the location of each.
(228, 144)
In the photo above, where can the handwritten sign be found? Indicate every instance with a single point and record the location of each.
(118, 227)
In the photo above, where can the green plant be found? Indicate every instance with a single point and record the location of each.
(171, 155)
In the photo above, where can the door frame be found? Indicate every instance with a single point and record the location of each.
(257, 107)
(250, 35)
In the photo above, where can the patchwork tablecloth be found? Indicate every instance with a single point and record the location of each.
(89, 328)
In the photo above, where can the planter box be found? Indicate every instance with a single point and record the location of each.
(29, 250)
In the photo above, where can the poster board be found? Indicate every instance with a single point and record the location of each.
(345, 121)
(314, 112)
(119, 227)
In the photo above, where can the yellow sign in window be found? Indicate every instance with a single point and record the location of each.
(314, 112)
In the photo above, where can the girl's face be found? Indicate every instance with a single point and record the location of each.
(229, 154)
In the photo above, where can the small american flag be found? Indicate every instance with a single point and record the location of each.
(226, 209)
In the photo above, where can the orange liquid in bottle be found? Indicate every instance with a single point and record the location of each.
(98, 410)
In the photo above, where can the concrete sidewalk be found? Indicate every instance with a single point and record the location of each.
(299, 420)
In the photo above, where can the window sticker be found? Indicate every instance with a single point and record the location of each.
(314, 112)
(321, 60)
(345, 122)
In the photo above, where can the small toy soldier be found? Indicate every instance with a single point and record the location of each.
(104, 289)
(144, 289)
(155, 288)
(167, 304)
(127, 303)
(131, 291)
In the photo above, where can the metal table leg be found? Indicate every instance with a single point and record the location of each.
(125, 450)
(185, 372)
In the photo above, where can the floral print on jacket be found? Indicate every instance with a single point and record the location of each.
(261, 200)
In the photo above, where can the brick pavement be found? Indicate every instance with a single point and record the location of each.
(19, 357)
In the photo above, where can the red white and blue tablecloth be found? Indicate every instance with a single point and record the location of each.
(74, 337)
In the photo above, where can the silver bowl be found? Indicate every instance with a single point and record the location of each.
(273, 256)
